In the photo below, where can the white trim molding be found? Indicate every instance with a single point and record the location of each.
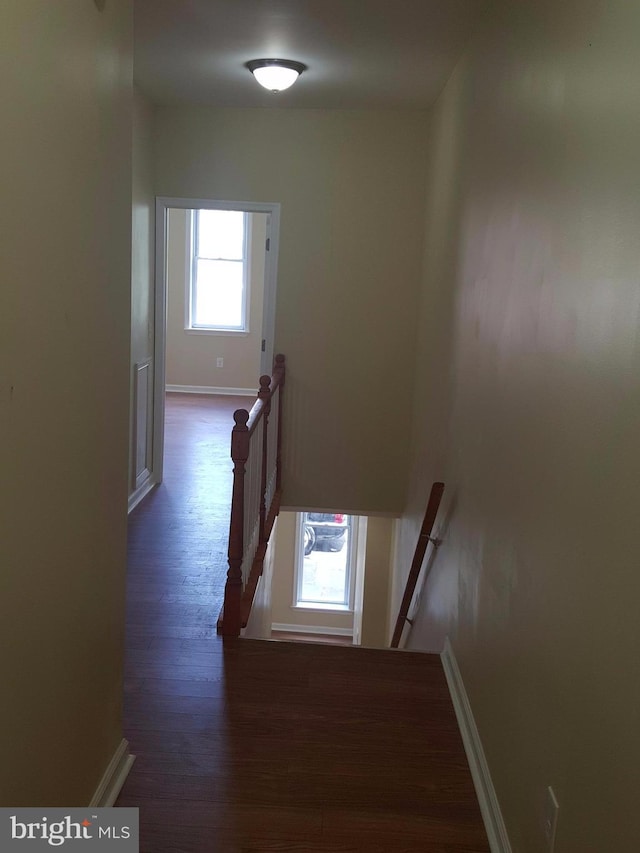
(142, 420)
(311, 629)
(217, 332)
(140, 493)
(487, 798)
(212, 389)
(114, 777)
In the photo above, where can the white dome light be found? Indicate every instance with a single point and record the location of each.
(275, 74)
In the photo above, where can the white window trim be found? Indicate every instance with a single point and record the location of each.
(352, 556)
(190, 281)
(219, 332)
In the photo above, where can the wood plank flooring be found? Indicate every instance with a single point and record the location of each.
(245, 745)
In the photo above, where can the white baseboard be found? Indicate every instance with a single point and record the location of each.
(114, 777)
(141, 492)
(487, 798)
(311, 629)
(211, 389)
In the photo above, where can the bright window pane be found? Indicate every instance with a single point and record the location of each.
(326, 562)
(221, 234)
(218, 296)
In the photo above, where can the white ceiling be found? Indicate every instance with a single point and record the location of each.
(360, 53)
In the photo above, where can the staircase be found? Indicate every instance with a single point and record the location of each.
(306, 747)
(258, 745)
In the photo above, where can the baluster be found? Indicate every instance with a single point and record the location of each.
(264, 394)
(279, 370)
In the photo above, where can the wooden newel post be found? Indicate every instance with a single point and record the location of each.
(279, 370)
(232, 619)
(264, 394)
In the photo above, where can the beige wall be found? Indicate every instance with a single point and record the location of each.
(531, 301)
(142, 258)
(351, 186)
(376, 582)
(191, 358)
(65, 155)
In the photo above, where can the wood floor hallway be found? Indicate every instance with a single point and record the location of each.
(246, 746)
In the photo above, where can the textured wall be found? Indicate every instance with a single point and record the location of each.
(65, 156)
(351, 186)
(528, 407)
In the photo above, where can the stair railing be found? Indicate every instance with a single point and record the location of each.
(421, 549)
(256, 451)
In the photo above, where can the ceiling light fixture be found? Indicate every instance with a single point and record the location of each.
(275, 74)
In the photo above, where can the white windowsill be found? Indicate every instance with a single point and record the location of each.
(217, 331)
(318, 607)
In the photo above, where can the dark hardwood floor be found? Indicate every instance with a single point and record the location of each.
(246, 746)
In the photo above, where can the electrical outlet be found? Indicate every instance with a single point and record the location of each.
(550, 820)
(220, 362)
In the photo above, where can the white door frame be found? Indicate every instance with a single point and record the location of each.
(163, 204)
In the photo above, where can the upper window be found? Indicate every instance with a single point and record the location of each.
(219, 276)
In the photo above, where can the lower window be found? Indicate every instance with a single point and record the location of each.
(325, 558)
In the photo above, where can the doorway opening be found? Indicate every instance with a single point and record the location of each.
(215, 292)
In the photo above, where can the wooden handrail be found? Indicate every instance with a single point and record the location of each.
(256, 451)
(421, 549)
